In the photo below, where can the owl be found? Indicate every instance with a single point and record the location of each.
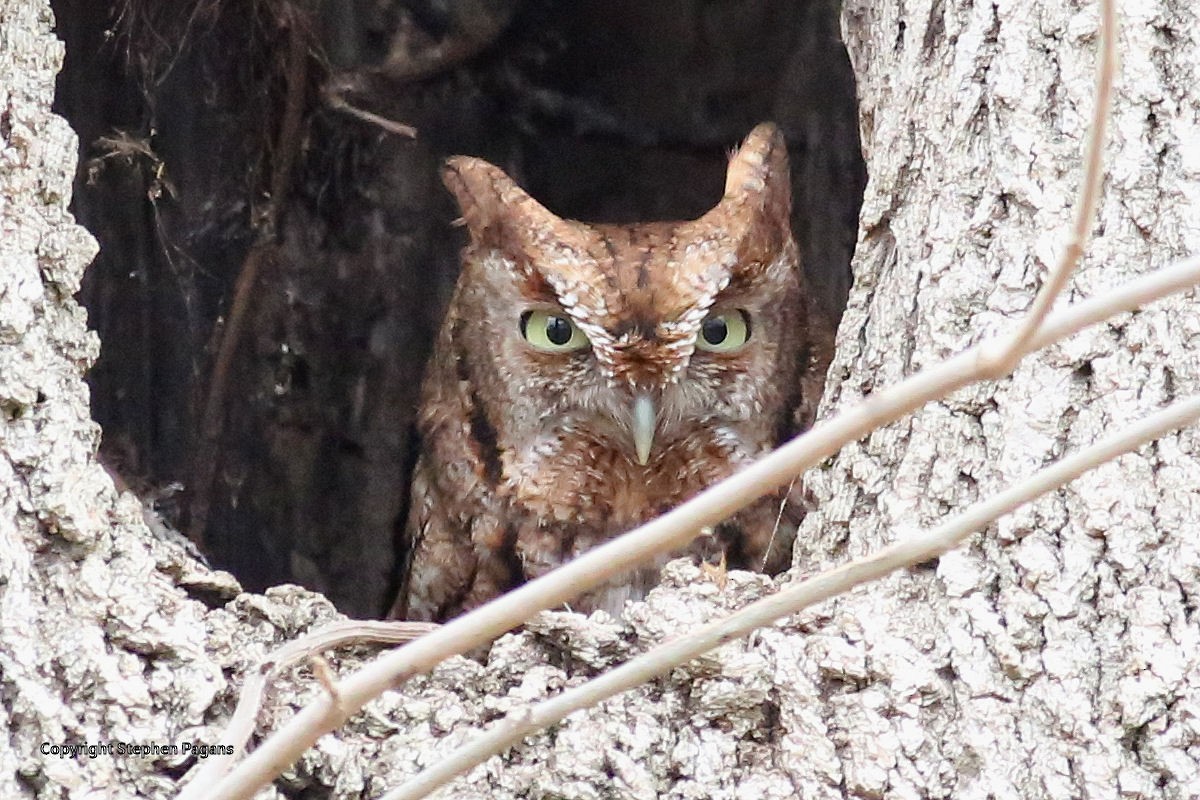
(589, 377)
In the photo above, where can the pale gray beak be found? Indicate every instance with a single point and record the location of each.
(645, 418)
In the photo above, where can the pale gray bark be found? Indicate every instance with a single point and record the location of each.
(99, 640)
(1056, 656)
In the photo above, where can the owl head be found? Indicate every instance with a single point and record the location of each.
(635, 336)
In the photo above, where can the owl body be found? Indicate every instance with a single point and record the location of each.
(588, 378)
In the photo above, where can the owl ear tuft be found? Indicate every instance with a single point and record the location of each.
(500, 214)
(757, 205)
(486, 195)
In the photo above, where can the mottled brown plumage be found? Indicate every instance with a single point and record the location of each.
(533, 444)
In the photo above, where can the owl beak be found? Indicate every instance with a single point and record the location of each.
(645, 418)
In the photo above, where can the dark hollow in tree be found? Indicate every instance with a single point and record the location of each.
(276, 252)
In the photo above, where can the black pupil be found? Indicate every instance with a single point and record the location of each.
(558, 330)
(714, 330)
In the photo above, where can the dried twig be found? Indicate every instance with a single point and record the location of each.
(241, 724)
(1001, 360)
(338, 103)
(323, 672)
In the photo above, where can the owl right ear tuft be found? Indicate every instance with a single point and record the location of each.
(757, 204)
(758, 178)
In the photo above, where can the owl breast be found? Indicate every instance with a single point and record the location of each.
(576, 491)
(581, 480)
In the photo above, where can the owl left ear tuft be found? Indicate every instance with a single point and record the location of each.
(757, 205)
(500, 214)
(485, 194)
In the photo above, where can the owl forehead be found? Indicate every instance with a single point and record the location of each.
(640, 293)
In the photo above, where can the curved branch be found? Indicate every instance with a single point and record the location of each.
(1003, 359)
(929, 544)
(667, 532)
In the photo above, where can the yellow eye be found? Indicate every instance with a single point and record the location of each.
(723, 332)
(552, 332)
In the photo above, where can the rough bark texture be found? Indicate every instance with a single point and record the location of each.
(1056, 656)
(98, 639)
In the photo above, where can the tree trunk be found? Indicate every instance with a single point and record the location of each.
(1057, 655)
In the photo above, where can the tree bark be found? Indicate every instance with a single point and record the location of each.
(1057, 655)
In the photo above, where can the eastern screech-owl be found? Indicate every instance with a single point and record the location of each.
(589, 377)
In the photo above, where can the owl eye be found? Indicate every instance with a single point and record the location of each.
(724, 332)
(552, 332)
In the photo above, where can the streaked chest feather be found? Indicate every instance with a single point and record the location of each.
(594, 490)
